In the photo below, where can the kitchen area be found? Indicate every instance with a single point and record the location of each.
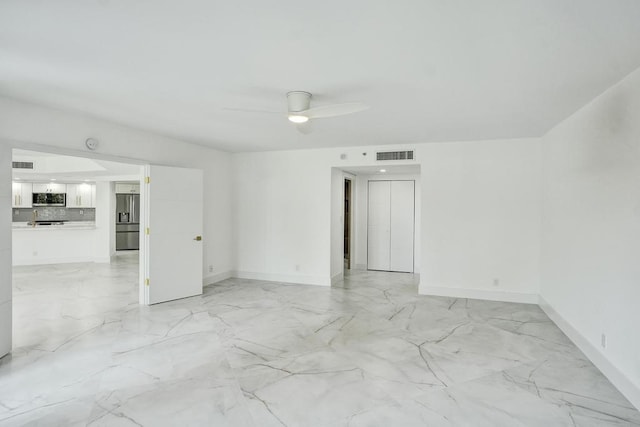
(68, 209)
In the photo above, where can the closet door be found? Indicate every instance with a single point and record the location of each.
(378, 225)
(402, 223)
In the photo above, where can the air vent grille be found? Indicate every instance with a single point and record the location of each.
(394, 155)
(23, 165)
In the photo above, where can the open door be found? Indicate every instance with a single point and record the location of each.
(173, 200)
(347, 224)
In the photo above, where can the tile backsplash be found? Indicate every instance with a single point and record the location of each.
(54, 214)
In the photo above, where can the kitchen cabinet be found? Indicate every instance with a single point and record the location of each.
(49, 187)
(126, 187)
(22, 194)
(81, 195)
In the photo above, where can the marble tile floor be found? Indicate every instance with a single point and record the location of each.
(369, 352)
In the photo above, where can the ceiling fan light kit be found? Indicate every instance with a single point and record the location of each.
(299, 109)
(298, 101)
(298, 118)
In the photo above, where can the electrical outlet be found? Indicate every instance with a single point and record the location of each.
(496, 282)
(603, 340)
(210, 268)
(297, 267)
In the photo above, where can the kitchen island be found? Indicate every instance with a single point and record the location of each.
(72, 241)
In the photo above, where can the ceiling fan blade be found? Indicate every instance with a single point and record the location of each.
(335, 110)
(249, 110)
(304, 128)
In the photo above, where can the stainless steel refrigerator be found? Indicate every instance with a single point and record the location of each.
(127, 221)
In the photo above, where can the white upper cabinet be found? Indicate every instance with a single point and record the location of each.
(49, 187)
(22, 194)
(81, 195)
(125, 187)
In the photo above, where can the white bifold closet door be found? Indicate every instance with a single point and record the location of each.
(390, 237)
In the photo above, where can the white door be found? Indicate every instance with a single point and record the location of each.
(402, 221)
(378, 225)
(390, 228)
(173, 201)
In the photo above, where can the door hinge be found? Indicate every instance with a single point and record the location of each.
(147, 180)
(147, 231)
(146, 282)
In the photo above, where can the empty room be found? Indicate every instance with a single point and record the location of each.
(363, 213)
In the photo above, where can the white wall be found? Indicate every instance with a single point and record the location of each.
(282, 216)
(481, 219)
(5, 249)
(104, 225)
(24, 125)
(480, 215)
(361, 207)
(591, 231)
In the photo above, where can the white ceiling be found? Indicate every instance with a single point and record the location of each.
(430, 70)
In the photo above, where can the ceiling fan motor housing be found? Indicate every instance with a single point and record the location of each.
(298, 101)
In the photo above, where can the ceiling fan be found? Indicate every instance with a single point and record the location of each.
(299, 109)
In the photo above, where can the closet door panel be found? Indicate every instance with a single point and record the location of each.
(378, 225)
(402, 226)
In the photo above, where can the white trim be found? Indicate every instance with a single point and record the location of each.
(337, 278)
(630, 390)
(215, 278)
(360, 267)
(71, 260)
(284, 278)
(504, 296)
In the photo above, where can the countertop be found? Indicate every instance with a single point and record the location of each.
(69, 225)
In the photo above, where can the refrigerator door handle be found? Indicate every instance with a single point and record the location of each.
(133, 209)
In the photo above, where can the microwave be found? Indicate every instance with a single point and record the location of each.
(49, 199)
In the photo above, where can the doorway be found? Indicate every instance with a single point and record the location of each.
(65, 272)
(347, 223)
(360, 239)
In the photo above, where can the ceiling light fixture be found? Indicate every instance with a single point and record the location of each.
(383, 170)
(297, 118)
(53, 179)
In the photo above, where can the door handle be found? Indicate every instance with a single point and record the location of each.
(197, 238)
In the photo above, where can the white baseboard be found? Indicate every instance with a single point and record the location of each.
(71, 260)
(284, 278)
(630, 390)
(215, 278)
(519, 297)
(360, 267)
(337, 278)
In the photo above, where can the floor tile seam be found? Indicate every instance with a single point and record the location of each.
(45, 405)
(485, 376)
